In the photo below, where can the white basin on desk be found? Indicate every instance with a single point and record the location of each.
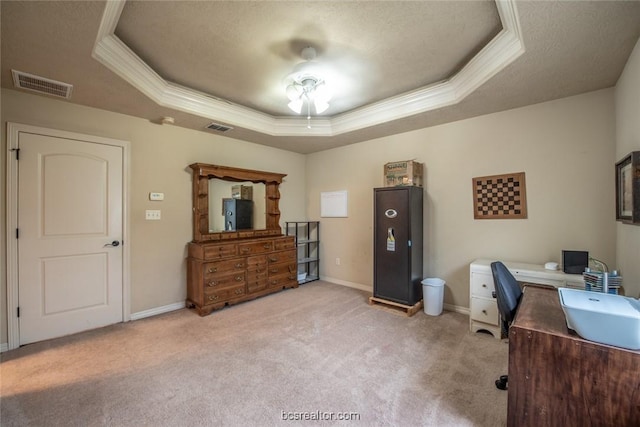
(604, 318)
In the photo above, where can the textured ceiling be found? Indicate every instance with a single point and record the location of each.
(241, 51)
(233, 52)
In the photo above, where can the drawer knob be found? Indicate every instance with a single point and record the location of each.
(267, 246)
(239, 265)
(239, 278)
(273, 259)
(213, 269)
(211, 283)
(213, 297)
(484, 285)
(238, 291)
(245, 250)
(484, 311)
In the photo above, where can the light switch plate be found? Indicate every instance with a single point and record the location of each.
(156, 196)
(153, 215)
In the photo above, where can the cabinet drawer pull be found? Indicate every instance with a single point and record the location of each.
(484, 285)
(213, 269)
(238, 291)
(239, 265)
(239, 278)
(273, 259)
(273, 270)
(484, 311)
(266, 246)
(245, 250)
(213, 297)
(212, 283)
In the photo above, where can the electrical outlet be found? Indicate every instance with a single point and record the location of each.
(153, 215)
(337, 261)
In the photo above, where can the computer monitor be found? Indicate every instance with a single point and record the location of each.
(574, 262)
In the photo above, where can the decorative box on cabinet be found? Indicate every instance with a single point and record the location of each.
(220, 274)
(483, 308)
(307, 235)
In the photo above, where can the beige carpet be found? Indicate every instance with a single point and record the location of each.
(301, 353)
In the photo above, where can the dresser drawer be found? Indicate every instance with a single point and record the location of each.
(255, 262)
(482, 285)
(283, 256)
(213, 295)
(484, 310)
(257, 283)
(282, 279)
(283, 267)
(211, 269)
(220, 251)
(252, 248)
(284, 243)
(223, 281)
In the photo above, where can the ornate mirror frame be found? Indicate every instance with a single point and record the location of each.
(202, 173)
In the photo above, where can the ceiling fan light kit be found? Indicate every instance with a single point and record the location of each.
(305, 84)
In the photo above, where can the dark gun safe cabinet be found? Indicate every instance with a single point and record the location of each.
(398, 241)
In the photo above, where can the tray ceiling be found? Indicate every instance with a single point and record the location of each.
(396, 66)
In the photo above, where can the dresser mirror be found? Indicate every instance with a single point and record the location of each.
(213, 184)
(222, 192)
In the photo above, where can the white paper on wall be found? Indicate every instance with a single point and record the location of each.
(333, 204)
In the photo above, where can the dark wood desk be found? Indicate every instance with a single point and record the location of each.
(557, 378)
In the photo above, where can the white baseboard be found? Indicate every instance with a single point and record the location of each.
(354, 285)
(456, 308)
(134, 316)
(158, 310)
(448, 307)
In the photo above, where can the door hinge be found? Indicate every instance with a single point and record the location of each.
(18, 311)
(17, 150)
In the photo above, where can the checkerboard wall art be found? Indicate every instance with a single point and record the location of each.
(500, 197)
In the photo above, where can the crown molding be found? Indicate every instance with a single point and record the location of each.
(501, 51)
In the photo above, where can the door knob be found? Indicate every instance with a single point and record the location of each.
(114, 244)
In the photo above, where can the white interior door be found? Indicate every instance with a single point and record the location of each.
(70, 221)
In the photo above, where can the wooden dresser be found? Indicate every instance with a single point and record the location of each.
(230, 266)
(230, 272)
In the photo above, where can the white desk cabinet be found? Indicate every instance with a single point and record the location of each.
(483, 309)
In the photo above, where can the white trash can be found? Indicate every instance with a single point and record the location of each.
(433, 295)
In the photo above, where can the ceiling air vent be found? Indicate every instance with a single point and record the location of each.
(218, 127)
(41, 85)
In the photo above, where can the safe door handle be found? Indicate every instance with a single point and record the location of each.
(115, 243)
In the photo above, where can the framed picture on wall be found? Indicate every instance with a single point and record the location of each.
(500, 196)
(628, 189)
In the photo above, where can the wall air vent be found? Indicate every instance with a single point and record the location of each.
(41, 85)
(218, 127)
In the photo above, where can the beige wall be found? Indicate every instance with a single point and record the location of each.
(160, 155)
(627, 107)
(565, 147)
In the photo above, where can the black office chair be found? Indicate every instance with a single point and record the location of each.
(508, 294)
